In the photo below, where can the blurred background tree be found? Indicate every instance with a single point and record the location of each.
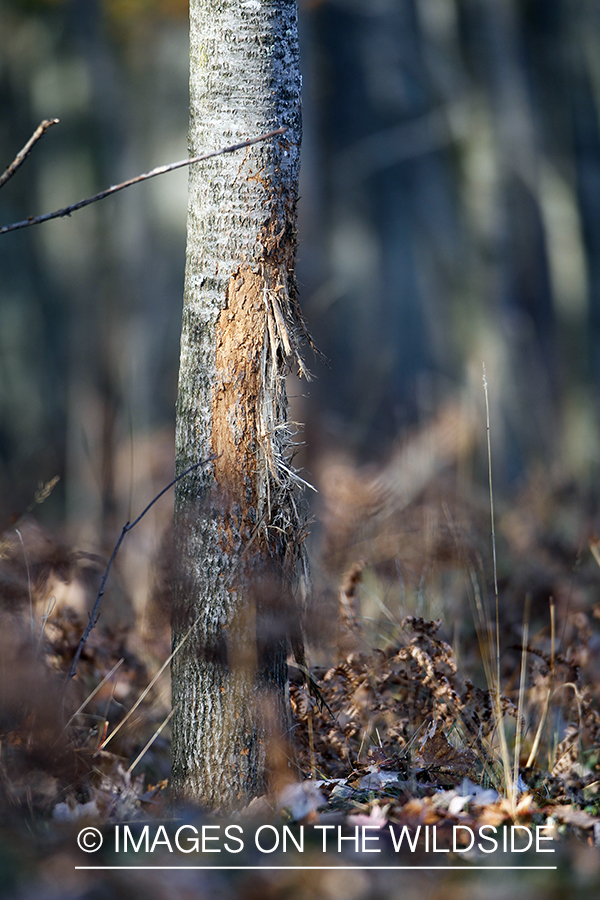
(450, 214)
(456, 148)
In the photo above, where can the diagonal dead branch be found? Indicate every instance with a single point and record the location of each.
(127, 527)
(160, 170)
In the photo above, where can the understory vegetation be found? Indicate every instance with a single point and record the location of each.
(408, 725)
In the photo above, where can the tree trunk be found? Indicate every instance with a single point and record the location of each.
(237, 531)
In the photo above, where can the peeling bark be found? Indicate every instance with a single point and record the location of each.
(238, 533)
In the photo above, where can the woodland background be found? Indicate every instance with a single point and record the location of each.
(449, 215)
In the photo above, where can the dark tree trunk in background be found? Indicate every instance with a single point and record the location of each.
(237, 531)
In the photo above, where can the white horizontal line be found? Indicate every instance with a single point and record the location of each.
(320, 868)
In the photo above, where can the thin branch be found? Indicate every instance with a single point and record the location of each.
(22, 155)
(127, 527)
(161, 170)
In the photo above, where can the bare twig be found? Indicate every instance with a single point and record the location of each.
(22, 155)
(127, 527)
(161, 170)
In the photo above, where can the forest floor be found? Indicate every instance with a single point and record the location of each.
(456, 734)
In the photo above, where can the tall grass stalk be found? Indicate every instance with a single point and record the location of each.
(510, 784)
(90, 696)
(20, 536)
(143, 752)
(538, 735)
(521, 703)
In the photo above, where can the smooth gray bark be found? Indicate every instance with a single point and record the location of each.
(237, 533)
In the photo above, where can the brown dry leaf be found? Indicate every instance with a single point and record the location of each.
(578, 818)
(567, 752)
(439, 753)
